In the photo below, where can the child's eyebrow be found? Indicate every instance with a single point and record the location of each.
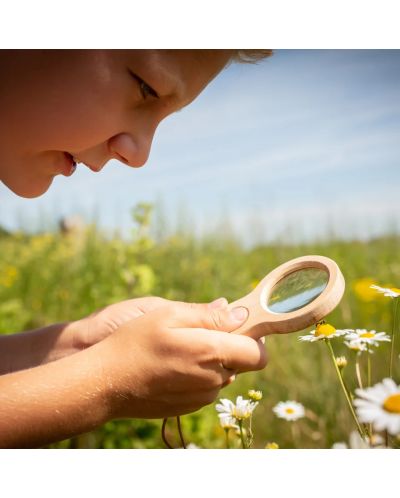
(174, 84)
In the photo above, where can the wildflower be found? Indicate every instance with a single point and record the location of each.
(387, 291)
(380, 406)
(355, 443)
(192, 446)
(227, 422)
(376, 441)
(322, 331)
(254, 395)
(240, 411)
(289, 410)
(244, 408)
(341, 362)
(225, 407)
(368, 337)
(340, 446)
(272, 446)
(357, 346)
(362, 289)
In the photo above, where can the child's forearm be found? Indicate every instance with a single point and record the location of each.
(36, 347)
(52, 402)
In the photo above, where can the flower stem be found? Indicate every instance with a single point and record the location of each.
(361, 432)
(358, 372)
(241, 434)
(178, 420)
(294, 433)
(369, 369)
(369, 376)
(227, 439)
(251, 437)
(395, 306)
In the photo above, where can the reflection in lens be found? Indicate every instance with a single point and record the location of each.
(297, 290)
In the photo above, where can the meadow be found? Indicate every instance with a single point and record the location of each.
(54, 276)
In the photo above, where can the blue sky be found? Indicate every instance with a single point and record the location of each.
(299, 145)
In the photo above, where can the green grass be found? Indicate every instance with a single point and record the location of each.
(52, 277)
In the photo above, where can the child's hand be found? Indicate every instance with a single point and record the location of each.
(103, 322)
(173, 360)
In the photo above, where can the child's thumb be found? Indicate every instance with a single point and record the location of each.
(209, 317)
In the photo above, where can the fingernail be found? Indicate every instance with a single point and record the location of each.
(218, 303)
(240, 314)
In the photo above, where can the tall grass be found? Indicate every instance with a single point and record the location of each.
(51, 277)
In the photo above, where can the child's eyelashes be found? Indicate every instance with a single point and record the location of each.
(145, 89)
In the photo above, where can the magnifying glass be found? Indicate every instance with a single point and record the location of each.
(295, 295)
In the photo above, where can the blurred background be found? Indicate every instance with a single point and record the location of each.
(296, 155)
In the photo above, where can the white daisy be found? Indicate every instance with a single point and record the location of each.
(323, 331)
(387, 291)
(241, 410)
(289, 410)
(356, 442)
(341, 362)
(339, 446)
(225, 407)
(379, 405)
(369, 337)
(357, 346)
(227, 422)
(244, 408)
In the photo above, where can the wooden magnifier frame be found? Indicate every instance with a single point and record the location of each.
(262, 321)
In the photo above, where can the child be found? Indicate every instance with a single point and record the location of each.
(149, 357)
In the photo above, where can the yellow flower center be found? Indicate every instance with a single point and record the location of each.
(289, 410)
(367, 335)
(324, 329)
(392, 403)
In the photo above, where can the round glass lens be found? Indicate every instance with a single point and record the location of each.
(297, 289)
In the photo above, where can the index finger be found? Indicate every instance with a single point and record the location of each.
(241, 353)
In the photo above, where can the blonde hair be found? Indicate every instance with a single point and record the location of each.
(250, 56)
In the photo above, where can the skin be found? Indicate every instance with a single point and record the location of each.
(146, 357)
(88, 103)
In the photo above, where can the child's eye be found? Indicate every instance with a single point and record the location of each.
(145, 89)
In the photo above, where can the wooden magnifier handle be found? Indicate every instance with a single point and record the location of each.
(261, 321)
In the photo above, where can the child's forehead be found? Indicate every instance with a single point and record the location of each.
(180, 64)
(183, 73)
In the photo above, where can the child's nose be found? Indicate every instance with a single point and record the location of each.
(131, 151)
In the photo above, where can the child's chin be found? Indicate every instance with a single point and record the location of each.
(30, 191)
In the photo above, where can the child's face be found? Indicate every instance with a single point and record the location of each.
(90, 104)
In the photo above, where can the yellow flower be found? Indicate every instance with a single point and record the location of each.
(254, 395)
(8, 276)
(362, 289)
(254, 284)
(272, 446)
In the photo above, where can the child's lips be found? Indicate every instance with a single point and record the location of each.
(73, 161)
(69, 166)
